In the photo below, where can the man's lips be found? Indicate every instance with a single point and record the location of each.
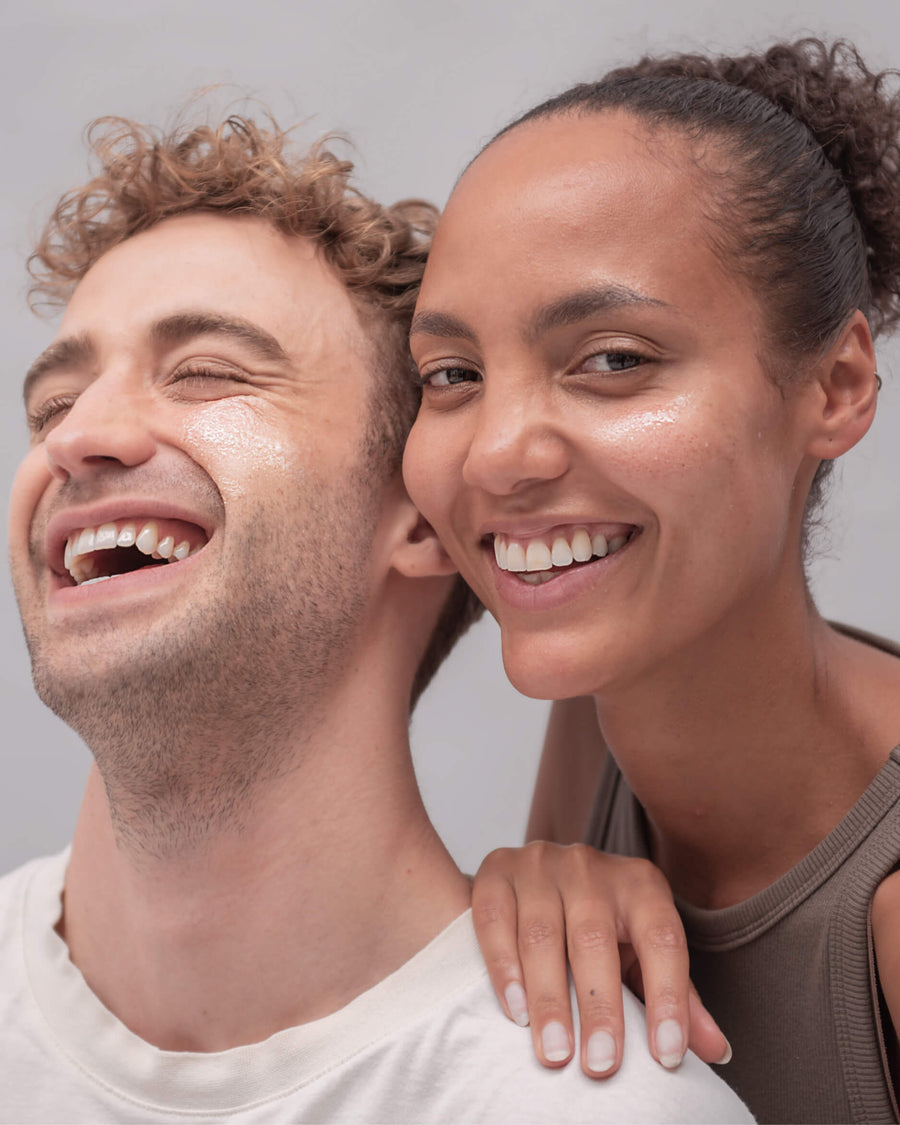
(115, 548)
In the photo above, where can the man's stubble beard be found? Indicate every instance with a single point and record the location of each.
(187, 732)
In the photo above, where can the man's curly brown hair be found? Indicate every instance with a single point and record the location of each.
(238, 167)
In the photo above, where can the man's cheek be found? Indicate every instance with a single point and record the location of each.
(29, 486)
(234, 441)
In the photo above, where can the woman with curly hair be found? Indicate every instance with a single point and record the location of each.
(644, 335)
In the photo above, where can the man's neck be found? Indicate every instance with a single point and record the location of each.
(331, 878)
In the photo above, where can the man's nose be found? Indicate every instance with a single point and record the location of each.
(517, 443)
(106, 423)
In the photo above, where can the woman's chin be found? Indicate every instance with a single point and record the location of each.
(548, 672)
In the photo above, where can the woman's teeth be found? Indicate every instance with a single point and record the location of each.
(536, 560)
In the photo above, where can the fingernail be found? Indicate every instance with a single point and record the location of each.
(555, 1042)
(516, 1003)
(670, 1043)
(601, 1052)
(726, 1055)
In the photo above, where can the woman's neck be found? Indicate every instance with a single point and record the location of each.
(746, 753)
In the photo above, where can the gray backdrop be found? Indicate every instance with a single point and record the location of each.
(417, 86)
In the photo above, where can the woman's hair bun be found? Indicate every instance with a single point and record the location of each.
(854, 115)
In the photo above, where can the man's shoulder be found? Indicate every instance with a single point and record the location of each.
(426, 1044)
(22, 873)
(464, 1060)
(14, 886)
(27, 892)
(20, 1041)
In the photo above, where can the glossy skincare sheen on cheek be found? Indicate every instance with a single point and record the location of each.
(239, 443)
(647, 435)
(636, 423)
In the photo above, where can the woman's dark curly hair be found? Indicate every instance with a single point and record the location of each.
(804, 178)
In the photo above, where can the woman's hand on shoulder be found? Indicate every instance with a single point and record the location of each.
(616, 920)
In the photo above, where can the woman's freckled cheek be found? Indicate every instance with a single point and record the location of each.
(655, 436)
(239, 443)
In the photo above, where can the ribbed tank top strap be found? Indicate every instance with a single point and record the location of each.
(807, 940)
(869, 835)
(790, 973)
(617, 823)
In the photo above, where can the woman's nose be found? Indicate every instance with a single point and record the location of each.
(105, 423)
(516, 444)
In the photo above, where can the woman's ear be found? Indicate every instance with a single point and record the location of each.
(846, 383)
(417, 552)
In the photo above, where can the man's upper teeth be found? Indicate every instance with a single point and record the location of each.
(83, 544)
(557, 550)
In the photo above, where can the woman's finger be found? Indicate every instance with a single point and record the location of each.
(519, 920)
(706, 1040)
(494, 914)
(597, 976)
(676, 1017)
(542, 953)
(652, 926)
(607, 939)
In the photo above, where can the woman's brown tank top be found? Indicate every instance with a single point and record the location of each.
(790, 974)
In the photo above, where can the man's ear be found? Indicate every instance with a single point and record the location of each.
(846, 386)
(417, 551)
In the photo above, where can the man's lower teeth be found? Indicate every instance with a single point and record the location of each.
(91, 581)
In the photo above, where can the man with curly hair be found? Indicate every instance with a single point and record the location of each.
(228, 594)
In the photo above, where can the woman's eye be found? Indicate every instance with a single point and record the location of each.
(450, 377)
(612, 361)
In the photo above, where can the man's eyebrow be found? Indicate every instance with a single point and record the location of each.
(79, 351)
(575, 307)
(441, 324)
(71, 351)
(182, 327)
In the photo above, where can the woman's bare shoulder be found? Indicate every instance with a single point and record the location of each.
(864, 672)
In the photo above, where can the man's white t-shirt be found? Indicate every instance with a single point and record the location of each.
(427, 1044)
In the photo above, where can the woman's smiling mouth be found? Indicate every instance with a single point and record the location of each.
(537, 559)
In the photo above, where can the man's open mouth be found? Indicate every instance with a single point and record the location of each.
(94, 554)
(537, 559)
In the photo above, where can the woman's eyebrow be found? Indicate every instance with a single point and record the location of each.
(570, 309)
(575, 307)
(441, 324)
